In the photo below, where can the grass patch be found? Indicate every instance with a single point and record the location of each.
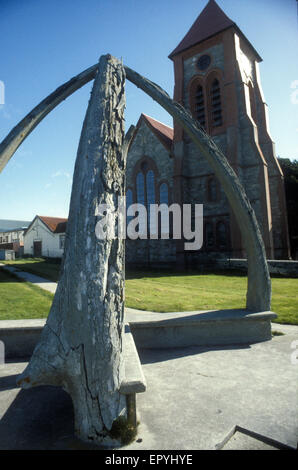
(187, 292)
(20, 300)
(44, 267)
(173, 292)
(123, 431)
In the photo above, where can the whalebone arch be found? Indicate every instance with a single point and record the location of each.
(259, 286)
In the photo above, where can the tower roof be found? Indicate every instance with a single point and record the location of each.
(212, 20)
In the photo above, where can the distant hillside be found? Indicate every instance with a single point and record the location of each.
(13, 224)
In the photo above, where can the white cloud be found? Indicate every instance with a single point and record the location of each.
(61, 173)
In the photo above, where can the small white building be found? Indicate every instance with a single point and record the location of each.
(45, 237)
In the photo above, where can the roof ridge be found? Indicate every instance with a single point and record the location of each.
(51, 217)
(156, 120)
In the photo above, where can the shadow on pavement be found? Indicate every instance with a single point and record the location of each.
(150, 356)
(39, 418)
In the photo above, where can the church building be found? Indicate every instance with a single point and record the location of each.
(216, 71)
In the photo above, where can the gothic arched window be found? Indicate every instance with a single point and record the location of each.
(216, 110)
(164, 199)
(164, 194)
(129, 202)
(145, 188)
(140, 188)
(150, 188)
(200, 106)
(150, 198)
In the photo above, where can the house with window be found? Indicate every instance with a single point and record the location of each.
(45, 237)
(12, 235)
(217, 79)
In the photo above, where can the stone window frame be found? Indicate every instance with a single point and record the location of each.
(137, 169)
(205, 81)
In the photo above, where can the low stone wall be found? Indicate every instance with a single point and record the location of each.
(283, 267)
(153, 330)
(159, 330)
(20, 336)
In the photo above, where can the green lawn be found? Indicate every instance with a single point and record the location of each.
(40, 266)
(20, 300)
(160, 292)
(173, 293)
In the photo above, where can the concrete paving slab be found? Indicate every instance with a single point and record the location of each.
(240, 441)
(194, 397)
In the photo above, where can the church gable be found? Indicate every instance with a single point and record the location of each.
(150, 148)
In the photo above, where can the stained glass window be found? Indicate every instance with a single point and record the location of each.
(140, 189)
(129, 202)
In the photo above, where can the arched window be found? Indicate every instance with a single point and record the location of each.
(150, 198)
(209, 235)
(212, 190)
(164, 194)
(140, 184)
(200, 106)
(140, 188)
(216, 110)
(164, 199)
(150, 188)
(145, 189)
(221, 235)
(129, 202)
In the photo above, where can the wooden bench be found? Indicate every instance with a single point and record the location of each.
(134, 381)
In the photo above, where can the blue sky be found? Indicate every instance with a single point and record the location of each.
(44, 43)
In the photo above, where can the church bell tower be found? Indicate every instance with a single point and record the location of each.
(217, 79)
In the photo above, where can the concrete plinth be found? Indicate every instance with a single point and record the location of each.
(204, 328)
(159, 330)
